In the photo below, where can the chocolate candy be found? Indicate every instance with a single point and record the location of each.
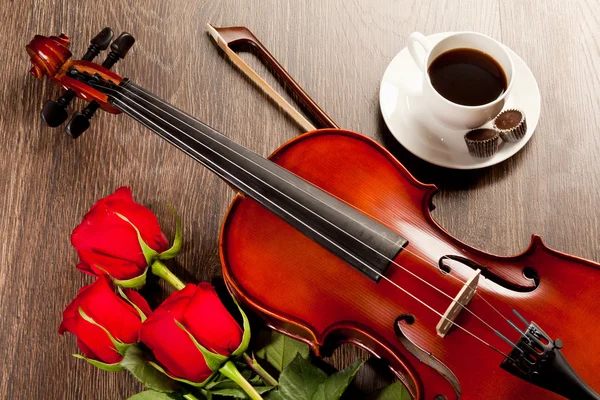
(482, 142)
(511, 125)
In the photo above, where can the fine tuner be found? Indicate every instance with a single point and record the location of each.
(54, 113)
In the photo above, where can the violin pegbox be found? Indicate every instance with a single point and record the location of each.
(51, 56)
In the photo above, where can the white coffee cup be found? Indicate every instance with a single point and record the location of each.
(448, 113)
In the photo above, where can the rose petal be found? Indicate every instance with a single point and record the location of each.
(99, 264)
(139, 301)
(109, 236)
(107, 309)
(210, 322)
(89, 353)
(94, 343)
(173, 348)
(121, 194)
(86, 269)
(110, 310)
(145, 221)
(176, 303)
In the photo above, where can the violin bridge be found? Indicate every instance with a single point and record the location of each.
(461, 300)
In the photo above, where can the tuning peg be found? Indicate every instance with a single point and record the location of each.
(80, 121)
(99, 43)
(118, 50)
(54, 113)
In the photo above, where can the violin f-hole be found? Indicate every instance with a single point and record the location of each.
(528, 273)
(421, 354)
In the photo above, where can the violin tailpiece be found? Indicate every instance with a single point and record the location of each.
(538, 359)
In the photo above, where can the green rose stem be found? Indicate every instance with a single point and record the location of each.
(260, 371)
(190, 396)
(160, 269)
(230, 371)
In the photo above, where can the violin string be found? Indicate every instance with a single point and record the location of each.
(150, 124)
(502, 316)
(141, 119)
(430, 263)
(484, 299)
(512, 324)
(453, 300)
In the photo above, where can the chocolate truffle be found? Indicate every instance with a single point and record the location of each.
(482, 142)
(511, 124)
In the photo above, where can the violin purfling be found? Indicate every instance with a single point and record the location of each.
(331, 240)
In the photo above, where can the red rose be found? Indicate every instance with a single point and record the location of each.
(108, 310)
(106, 243)
(200, 311)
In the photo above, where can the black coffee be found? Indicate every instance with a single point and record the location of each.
(468, 77)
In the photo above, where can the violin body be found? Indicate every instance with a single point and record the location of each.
(306, 292)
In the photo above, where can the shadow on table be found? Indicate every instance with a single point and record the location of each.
(447, 179)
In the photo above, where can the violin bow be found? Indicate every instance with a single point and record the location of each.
(239, 37)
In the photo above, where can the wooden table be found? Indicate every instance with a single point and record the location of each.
(338, 50)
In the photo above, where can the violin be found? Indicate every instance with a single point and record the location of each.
(331, 240)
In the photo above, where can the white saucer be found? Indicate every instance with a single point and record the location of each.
(408, 120)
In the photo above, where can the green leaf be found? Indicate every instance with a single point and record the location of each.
(280, 350)
(124, 296)
(120, 347)
(246, 336)
(176, 247)
(300, 380)
(213, 360)
(395, 391)
(133, 283)
(154, 395)
(149, 253)
(336, 384)
(140, 368)
(99, 364)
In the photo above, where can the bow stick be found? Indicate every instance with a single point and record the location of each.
(228, 37)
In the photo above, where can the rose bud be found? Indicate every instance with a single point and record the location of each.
(105, 323)
(192, 334)
(121, 238)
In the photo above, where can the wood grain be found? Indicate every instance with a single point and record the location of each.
(338, 51)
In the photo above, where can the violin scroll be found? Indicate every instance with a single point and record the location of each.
(51, 56)
(48, 54)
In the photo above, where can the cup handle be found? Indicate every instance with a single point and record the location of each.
(419, 47)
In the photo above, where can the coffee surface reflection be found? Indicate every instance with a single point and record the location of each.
(468, 77)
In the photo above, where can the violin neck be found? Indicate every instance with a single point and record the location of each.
(320, 216)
